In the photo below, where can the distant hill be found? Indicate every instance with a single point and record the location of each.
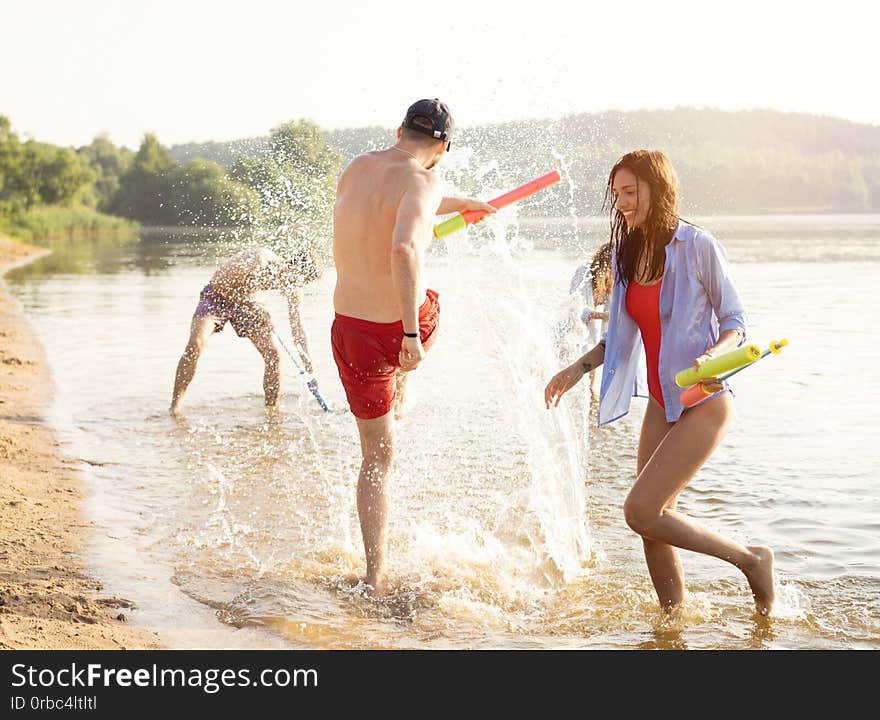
(757, 161)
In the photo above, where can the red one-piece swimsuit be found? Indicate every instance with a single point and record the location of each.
(643, 306)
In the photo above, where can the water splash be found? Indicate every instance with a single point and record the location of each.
(549, 515)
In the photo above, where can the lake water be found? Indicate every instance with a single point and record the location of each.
(231, 528)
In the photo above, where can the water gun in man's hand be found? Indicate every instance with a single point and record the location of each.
(469, 217)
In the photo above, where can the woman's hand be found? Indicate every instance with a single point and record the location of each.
(562, 382)
(710, 384)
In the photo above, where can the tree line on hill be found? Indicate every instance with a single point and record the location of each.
(758, 161)
(745, 162)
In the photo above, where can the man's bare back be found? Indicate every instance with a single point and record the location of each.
(248, 272)
(367, 202)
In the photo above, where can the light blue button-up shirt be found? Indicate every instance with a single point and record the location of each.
(698, 302)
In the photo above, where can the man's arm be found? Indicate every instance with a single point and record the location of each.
(452, 204)
(415, 213)
(294, 298)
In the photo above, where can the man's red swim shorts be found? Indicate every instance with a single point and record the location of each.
(367, 355)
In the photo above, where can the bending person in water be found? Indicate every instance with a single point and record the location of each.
(229, 296)
(593, 282)
(673, 295)
(386, 319)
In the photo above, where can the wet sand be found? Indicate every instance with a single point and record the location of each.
(48, 598)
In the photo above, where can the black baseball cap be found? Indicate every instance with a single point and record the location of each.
(436, 112)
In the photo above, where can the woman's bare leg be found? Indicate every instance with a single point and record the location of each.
(679, 456)
(663, 562)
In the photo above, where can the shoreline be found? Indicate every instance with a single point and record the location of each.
(48, 598)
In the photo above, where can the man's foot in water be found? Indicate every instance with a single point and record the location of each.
(377, 587)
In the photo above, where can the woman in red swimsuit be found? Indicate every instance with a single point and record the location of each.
(672, 292)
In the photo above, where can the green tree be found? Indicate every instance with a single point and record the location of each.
(202, 194)
(143, 188)
(108, 163)
(63, 175)
(295, 183)
(10, 166)
(157, 190)
(37, 173)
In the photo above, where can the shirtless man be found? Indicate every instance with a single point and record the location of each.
(230, 297)
(386, 318)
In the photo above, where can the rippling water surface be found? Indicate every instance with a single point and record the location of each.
(231, 528)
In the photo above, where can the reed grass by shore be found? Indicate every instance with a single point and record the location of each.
(52, 221)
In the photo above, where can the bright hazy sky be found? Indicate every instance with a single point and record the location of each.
(194, 71)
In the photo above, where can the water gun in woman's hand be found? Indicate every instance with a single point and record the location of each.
(719, 369)
(469, 217)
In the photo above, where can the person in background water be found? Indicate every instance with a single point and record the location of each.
(593, 283)
(386, 318)
(673, 296)
(229, 296)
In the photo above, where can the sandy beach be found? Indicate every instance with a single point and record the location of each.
(48, 598)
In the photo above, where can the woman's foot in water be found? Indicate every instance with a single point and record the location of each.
(759, 573)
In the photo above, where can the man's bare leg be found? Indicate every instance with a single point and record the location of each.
(201, 329)
(400, 379)
(263, 339)
(676, 460)
(377, 452)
